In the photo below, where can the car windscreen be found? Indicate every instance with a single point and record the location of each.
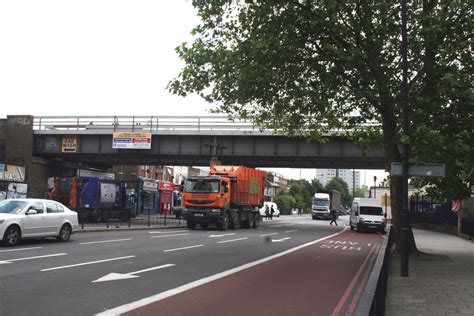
(201, 186)
(371, 210)
(12, 207)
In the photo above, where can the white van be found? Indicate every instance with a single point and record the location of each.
(367, 214)
(275, 208)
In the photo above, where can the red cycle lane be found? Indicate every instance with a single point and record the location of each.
(323, 278)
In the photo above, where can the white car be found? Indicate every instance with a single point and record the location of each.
(270, 204)
(35, 218)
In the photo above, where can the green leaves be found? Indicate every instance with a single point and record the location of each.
(314, 67)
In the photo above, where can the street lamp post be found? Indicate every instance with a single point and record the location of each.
(375, 186)
(404, 251)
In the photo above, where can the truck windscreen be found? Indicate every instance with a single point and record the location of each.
(371, 210)
(201, 186)
(320, 202)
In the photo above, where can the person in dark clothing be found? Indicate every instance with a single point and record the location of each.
(271, 212)
(334, 217)
(267, 212)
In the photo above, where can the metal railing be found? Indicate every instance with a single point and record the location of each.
(140, 123)
(150, 124)
(372, 301)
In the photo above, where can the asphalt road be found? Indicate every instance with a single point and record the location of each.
(99, 271)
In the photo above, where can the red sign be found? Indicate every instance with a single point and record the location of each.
(167, 186)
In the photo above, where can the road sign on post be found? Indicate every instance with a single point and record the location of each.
(427, 170)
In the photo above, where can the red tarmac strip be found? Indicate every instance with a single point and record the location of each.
(325, 278)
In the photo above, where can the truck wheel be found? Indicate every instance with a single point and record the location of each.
(256, 220)
(191, 225)
(236, 221)
(225, 222)
(249, 221)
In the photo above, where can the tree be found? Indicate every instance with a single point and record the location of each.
(360, 192)
(302, 195)
(312, 67)
(340, 185)
(285, 203)
(316, 186)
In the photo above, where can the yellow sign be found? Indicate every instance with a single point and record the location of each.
(69, 144)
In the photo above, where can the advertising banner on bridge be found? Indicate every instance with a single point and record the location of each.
(131, 140)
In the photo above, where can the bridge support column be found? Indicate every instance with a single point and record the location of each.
(19, 151)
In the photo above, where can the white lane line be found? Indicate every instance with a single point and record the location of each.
(231, 240)
(183, 248)
(168, 232)
(160, 296)
(104, 241)
(169, 235)
(269, 234)
(87, 263)
(281, 240)
(30, 258)
(291, 231)
(221, 235)
(20, 249)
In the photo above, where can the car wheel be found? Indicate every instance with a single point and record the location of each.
(11, 236)
(64, 233)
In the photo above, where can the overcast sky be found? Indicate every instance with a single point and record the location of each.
(97, 57)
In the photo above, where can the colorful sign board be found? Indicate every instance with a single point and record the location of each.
(69, 144)
(131, 140)
(12, 173)
(167, 186)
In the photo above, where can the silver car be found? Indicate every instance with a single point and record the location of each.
(35, 218)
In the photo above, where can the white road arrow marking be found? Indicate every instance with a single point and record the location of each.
(130, 275)
(30, 258)
(222, 235)
(280, 240)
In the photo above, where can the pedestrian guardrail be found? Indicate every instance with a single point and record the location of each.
(372, 301)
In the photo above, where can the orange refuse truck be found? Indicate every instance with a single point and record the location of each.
(229, 197)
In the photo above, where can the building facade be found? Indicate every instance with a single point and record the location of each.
(351, 177)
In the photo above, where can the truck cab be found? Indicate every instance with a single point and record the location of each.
(320, 207)
(206, 199)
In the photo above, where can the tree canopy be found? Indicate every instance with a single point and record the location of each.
(309, 67)
(340, 185)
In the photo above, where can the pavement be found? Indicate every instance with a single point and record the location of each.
(440, 281)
